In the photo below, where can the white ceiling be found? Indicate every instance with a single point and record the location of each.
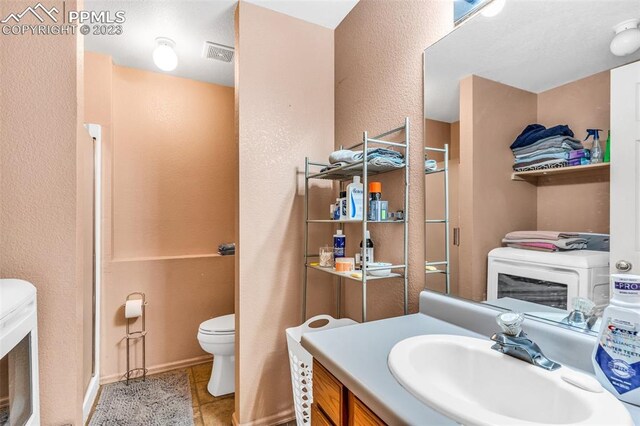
(189, 23)
(327, 13)
(534, 45)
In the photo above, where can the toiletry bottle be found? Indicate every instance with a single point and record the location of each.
(332, 211)
(616, 357)
(339, 244)
(596, 149)
(355, 199)
(336, 211)
(607, 149)
(375, 195)
(367, 255)
(342, 213)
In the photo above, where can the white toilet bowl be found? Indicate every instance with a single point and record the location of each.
(217, 336)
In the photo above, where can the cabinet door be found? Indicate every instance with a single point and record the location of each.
(318, 418)
(361, 415)
(329, 395)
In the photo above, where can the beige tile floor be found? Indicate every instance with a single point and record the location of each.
(208, 410)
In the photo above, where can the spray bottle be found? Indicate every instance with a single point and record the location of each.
(596, 149)
(607, 149)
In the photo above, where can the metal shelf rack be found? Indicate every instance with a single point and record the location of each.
(445, 221)
(342, 174)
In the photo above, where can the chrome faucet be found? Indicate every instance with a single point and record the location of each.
(514, 342)
(584, 314)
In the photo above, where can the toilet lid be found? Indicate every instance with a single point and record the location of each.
(225, 324)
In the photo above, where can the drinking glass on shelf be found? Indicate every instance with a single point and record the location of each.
(326, 256)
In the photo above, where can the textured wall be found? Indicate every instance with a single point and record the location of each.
(40, 143)
(168, 201)
(576, 203)
(491, 204)
(285, 107)
(378, 81)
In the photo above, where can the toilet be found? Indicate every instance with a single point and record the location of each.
(217, 336)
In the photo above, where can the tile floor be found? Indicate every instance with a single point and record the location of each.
(208, 410)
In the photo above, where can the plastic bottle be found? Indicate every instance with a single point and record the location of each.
(355, 199)
(336, 209)
(367, 255)
(607, 149)
(342, 213)
(375, 194)
(616, 357)
(596, 149)
(332, 211)
(339, 244)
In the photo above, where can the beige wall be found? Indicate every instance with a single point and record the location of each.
(41, 140)
(491, 204)
(576, 203)
(285, 78)
(378, 79)
(168, 201)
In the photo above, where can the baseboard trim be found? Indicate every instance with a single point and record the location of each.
(161, 368)
(274, 419)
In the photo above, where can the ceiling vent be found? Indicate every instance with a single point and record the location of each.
(217, 51)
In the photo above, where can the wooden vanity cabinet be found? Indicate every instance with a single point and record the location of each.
(335, 405)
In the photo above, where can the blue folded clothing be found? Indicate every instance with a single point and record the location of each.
(535, 132)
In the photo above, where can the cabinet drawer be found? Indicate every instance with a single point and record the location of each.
(360, 415)
(318, 418)
(329, 394)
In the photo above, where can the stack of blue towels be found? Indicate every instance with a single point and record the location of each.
(538, 147)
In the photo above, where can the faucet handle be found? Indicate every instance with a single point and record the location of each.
(510, 322)
(584, 305)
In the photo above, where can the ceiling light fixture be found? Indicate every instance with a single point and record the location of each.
(164, 55)
(493, 8)
(627, 38)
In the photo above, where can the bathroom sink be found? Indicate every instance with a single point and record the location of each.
(466, 380)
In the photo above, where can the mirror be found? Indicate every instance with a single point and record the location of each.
(546, 63)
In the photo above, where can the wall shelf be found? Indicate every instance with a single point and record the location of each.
(365, 170)
(350, 275)
(532, 176)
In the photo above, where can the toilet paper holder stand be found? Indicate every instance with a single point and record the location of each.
(136, 335)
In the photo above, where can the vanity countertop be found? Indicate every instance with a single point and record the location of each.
(357, 356)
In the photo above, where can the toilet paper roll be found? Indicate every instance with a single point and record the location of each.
(133, 308)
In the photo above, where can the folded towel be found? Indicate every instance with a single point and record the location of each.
(227, 246)
(528, 161)
(534, 246)
(540, 235)
(348, 156)
(535, 132)
(430, 165)
(566, 142)
(540, 165)
(562, 244)
(376, 164)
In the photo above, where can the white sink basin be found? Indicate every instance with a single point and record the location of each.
(466, 380)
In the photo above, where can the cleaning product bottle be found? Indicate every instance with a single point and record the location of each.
(607, 149)
(367, 254)
(355, 199)
(375, 194)
(339, 244)
(596, 149)
(616, 357)
(342, 213)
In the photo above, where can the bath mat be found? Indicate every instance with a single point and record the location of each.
(163, 399)
(4, 416)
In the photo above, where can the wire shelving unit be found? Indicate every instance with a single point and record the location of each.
(342, 174)
(440, 266)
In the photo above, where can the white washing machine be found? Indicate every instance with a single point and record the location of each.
(548, 278)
